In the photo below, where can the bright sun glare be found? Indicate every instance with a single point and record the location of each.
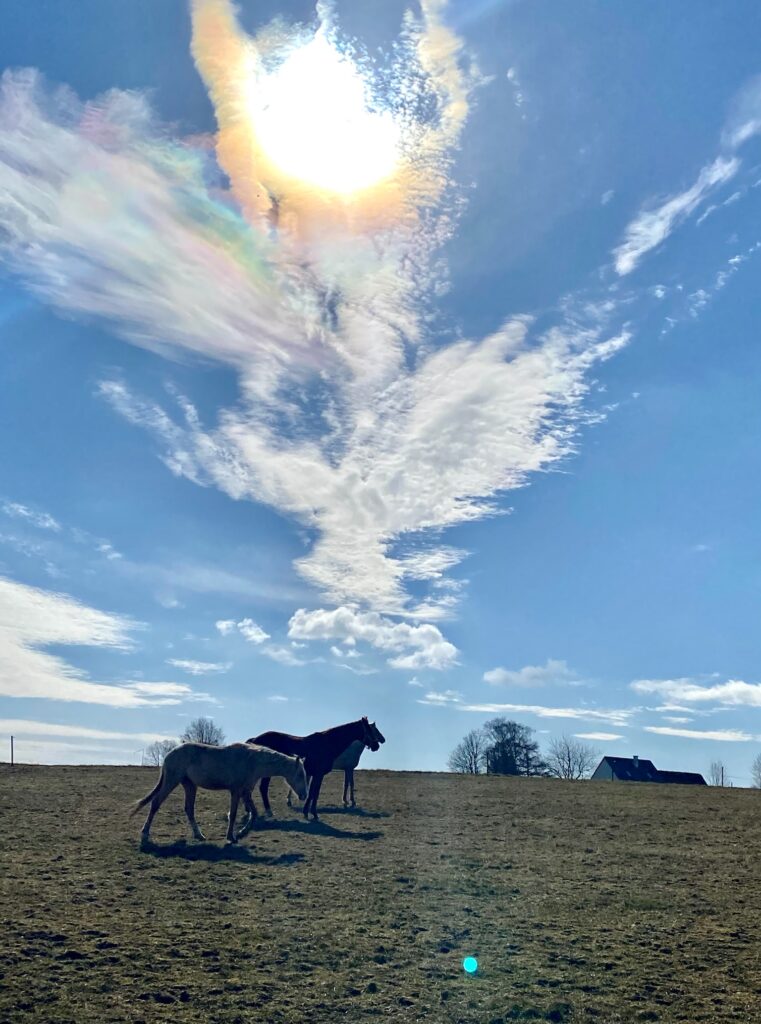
(312, 120)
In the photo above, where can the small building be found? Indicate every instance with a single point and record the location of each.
(639, 769)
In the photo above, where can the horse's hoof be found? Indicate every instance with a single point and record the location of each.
(200, 837)
(231, 842)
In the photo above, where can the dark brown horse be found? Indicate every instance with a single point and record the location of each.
(319, 750)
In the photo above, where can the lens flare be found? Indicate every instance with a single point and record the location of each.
(313, 120)
(470, 965)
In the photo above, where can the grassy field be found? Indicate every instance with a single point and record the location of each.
(582, 901)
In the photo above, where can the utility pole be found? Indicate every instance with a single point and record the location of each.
(722, 775)
(11, 751)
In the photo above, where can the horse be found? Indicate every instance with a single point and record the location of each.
(319, 749)
(347, 762)
(237, 768)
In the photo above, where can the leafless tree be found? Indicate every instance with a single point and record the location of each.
(203, 730)
(755, 772)
(569, 758)
(469, 756)
(155, 753)
(716, 774)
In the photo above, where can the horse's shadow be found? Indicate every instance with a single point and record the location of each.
(319, 828)
(212, 853)
(356, 812)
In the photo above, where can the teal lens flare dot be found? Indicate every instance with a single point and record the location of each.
(470, 965)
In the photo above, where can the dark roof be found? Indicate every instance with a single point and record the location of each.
(625, 770)
(683, 778)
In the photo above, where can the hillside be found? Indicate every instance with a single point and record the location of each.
(613, 903)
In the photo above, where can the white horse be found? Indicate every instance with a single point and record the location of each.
(237, 768)
(347, 762)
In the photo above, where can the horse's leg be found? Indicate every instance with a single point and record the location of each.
(351, 786)
(314, 792)
(157, 801)
(264, 786)
(234, 798)
(347, 776)
(190, 808)
(251, 817)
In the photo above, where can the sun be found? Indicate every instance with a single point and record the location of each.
(313, 122)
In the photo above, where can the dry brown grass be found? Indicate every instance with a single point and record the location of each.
(583, 902)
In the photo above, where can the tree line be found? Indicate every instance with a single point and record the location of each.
(504, 747)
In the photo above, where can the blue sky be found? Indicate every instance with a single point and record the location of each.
(485, 445)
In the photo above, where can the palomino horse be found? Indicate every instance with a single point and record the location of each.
(237, 768)
(319, 749)
(347, 762)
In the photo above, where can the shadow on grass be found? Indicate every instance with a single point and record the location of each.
(318, 828)
(212, 853)
(356, 812)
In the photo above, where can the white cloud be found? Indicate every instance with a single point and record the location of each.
(719, 735)
(614, 716)
(678, 719)
(248, 629)
(276, 698)
(283, 655)
(607, 196)
(27, 727)
(424, 644)
(31, 619)
(440, 699)
(200, 668)
(42, 520)
(414, 682)
(652, 226)
(251, 632)
(734, 692)
(744, 120)
(105, 216)
(605, 737)
(531, 675)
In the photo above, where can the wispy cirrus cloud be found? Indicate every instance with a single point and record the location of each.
(42, 520)
(438, 698)
(553, 671)
(686, 691)
(652, 226)
(717, 735)
(613, 716)
(603, 737)
(32, 619)
(200, 668)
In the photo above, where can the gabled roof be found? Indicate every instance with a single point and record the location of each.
(625, 769)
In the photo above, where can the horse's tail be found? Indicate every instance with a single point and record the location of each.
(147, 799)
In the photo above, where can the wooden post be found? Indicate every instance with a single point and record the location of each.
(11, 751)
(722, 775)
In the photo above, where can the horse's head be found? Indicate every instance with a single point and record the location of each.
(370, 735)
(298, 780)
(377, 733)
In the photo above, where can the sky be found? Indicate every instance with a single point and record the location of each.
(381, 360)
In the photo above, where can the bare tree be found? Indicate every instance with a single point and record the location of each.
(716, 774)
(569, 758)
(755, 772)
(155, 753)
(203, 730)
(469, 756)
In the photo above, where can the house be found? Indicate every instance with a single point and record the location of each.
(639, 769)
